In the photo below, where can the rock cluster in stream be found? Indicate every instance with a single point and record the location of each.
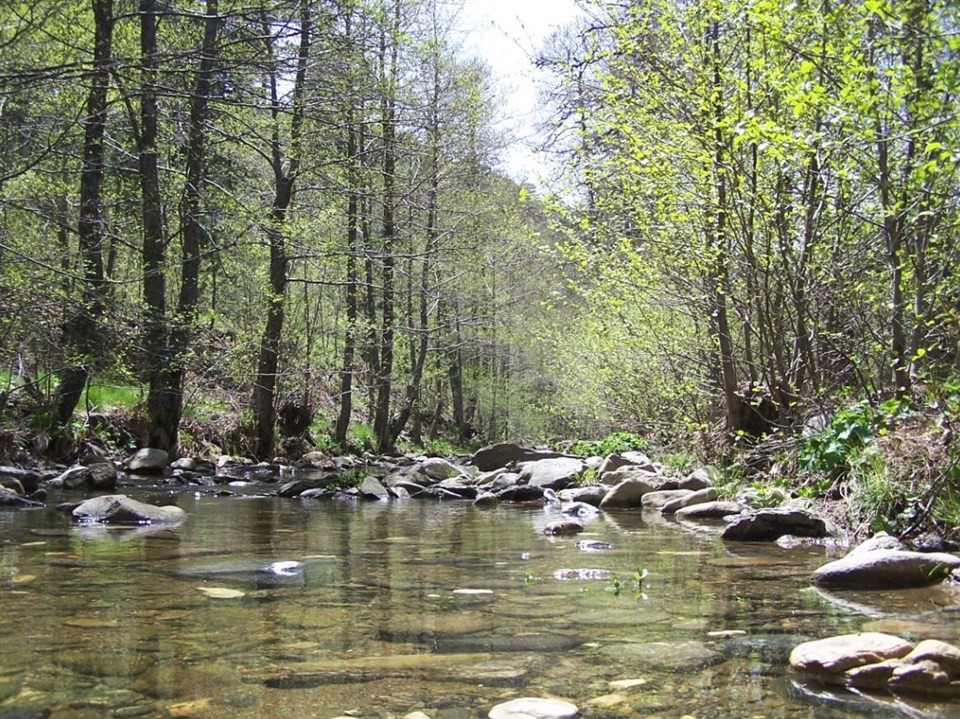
(876, 661)
(499, 474)
(510, 473)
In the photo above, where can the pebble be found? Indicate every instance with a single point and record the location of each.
(534, 708)
(623, 684)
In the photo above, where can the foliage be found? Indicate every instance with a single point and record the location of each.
(947, 507)
(877, 497)
(832, 450)
(680, 462)
(587, 477)
(99, 395)
(756, 208)
(362, 438)
(614, 443)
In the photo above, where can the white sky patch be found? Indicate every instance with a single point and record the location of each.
(507, 34)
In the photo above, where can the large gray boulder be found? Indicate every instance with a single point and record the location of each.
(656, 500)
(708, 510)
(886, 569)
(148, 461)
(28, 478)
(701, 496)
(768, 525)
(121, 509)
(698, 479)
(591, 494)
(438, 469)
(633, 460)
(502, 481)
(881, 540)
(655, 480)
(371, 489)
(495, 456)
(627, 494)
(9, 498)
(73, 478)
(103, 476)
(554, 473)
(520, 493)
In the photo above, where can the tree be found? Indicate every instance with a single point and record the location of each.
(286, 167)
(81, 333)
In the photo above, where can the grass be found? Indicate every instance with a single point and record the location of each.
(103, 396)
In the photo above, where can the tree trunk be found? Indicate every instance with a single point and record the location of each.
(155, 337)
(720, 276)
(350, 334)
(418, 350)
(264, 389)
(81, 330)
(381, 420)
(165, 401)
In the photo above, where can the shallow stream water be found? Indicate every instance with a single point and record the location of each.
(268, 608)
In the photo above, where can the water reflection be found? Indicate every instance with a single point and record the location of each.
(379, 609)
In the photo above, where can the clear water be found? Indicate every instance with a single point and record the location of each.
(121, 622)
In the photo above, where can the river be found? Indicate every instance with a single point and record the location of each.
(265, 607)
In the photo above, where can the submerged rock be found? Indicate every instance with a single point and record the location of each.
(671, 656)
(563, 526)
(252, 573)
(426, 629)
(299, 675)
(772, 649)
(886, 569)
(496, 643)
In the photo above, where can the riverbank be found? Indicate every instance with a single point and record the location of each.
(863, 468)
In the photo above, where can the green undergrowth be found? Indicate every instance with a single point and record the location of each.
(874, 466)
(611, 444)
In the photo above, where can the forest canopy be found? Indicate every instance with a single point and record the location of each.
(279, 223)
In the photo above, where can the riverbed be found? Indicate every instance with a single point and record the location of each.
(262, 607)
